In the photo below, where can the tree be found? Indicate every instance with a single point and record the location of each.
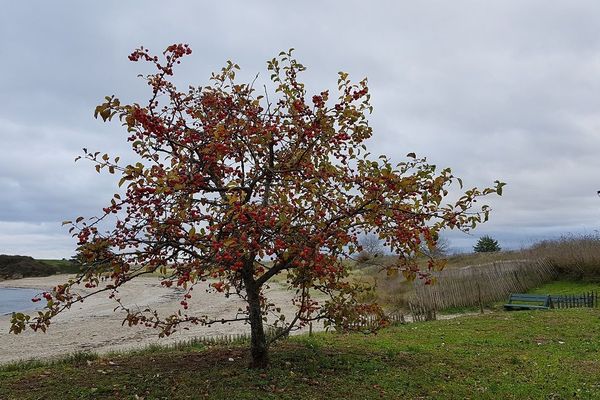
(439, 250)
(233, 187)
(369, 248)
(486, 244)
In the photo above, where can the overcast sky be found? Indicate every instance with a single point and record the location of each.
(506, 90)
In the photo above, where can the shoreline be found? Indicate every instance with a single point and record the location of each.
(93, 325)
(21, 300)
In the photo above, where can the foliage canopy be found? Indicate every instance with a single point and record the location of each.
(234, 187)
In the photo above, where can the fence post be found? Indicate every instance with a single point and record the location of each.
(479, 295)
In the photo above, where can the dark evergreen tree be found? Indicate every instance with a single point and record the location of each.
(486, 244)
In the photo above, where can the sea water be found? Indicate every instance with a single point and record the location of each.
(17, 299)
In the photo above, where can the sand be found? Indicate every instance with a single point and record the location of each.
(94, 326)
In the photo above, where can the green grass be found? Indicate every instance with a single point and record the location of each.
(560, 287)
(63, 266)
(74, 358)
(518, 355)
(566, 287)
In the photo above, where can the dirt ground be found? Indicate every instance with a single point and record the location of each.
(93, 326)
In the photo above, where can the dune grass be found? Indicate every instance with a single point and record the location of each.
(575, 257)
(517, 355)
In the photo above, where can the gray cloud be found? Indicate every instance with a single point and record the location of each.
(496, 90)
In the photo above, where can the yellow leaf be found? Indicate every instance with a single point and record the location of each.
(228, 242)
(392, 272)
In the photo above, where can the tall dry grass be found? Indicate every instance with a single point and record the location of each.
(574, 257)
(468, 259)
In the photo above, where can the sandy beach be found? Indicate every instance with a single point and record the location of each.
(93, 326)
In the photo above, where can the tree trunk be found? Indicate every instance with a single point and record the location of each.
(258, 339)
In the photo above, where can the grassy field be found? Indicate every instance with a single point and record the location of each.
(519, 355)
(566, 287)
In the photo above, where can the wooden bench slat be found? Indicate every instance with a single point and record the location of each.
(523, 301)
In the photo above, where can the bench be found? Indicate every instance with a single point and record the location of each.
(518, 301)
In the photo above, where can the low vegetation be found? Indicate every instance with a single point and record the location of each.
(16, 267)
(519, 355)
(63, 266)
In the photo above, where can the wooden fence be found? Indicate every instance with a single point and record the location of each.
(588, 299)
(223, 339)
(477, 285)
(373, 321)
(368, 322)
(235, 338)
(396, 319)
(422, 310)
